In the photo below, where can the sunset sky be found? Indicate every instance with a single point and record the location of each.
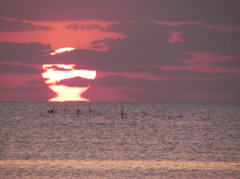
(140, 50)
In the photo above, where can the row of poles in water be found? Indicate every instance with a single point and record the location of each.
(52, 110)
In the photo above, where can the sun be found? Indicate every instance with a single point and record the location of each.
(65, 93)
(61, 50)
(54, 73)
(52, 76)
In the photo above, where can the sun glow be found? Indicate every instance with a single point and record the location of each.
(53, 76)
(54, 73)
(61, 50)
(65, 93)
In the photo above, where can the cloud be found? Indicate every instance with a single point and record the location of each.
(139, 89)
(90, 27)
(120, 81)
(5, 68)
(179, 85)
(38, 81)
(184, 90)
(146, 50)
(176, 37)
(184, 74)
(211, 12)
(62, 34)
(76, 82)
(31, 93)
(197, 38)
(13, 25)
(162, 51)
(230, 63)
(146, 44)
(22, 52)
(34, 90)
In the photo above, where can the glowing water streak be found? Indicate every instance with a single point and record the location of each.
(123, 164)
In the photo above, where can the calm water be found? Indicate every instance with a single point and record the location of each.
(104, 140)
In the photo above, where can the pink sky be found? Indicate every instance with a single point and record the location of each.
(142, 51)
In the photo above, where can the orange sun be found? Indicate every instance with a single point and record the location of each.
(65, 93)
(61, 50)
(52, 76)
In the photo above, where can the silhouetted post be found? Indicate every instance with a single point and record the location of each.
(144, 113)
(122, 112)
(90, 109)
(208, 114)
(78, 111)
(180, 115)
(51, 111)
(163, 111)
(65, 108)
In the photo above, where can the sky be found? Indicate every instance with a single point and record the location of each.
(121, 50)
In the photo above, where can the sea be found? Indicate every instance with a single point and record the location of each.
(119, 140)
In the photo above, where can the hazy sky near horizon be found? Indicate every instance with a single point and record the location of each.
(149, 50)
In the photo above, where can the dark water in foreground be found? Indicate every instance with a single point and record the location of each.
(149, 140)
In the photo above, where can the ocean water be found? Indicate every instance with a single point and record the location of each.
(119, 140)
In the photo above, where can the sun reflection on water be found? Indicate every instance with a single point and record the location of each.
(124, 164)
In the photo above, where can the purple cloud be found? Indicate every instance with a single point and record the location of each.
(10, 25)
(22, 52)
(5, 68)
(211, 12)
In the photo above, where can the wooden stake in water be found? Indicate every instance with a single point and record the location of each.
(78, 111)
(163, 115)
(51, 111)
(65, 109)
(180, 115)
(90, 109)
(144, 113)
(208, 114)
(122, 112)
